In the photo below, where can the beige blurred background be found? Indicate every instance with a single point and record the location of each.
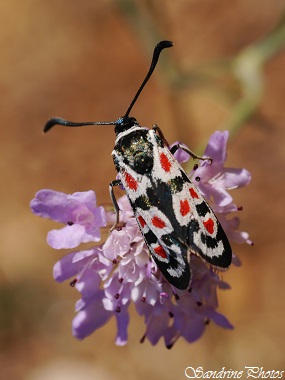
(84, 61)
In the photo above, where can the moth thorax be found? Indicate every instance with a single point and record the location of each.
(135, 150)
(143, 162)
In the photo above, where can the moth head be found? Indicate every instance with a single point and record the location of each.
(124, 123)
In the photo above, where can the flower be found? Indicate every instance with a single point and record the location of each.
(112, 275)
(77, 211)
(214, 180)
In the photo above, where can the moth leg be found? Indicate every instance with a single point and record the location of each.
(116, 182)
(175, 147)
(160, 134)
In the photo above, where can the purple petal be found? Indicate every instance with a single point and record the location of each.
(66, 237)
(170, 336)
(71, 264)
(231, 207)
(230, 226)
(123, 319)
(220, 196)
(88, 283)
(90, 318)
(97, 220)
(216, 148)
(86, 254)
(109, 304)
(219, 319)
(236, 261)
(157, 325)
(207, 171)
(118, 243)
(240, 237)
(65, 269)
(86, 197)
(235, 178)
(192, 328)
(77, 208)
(81, 304)
(125, 294)
(180, 154)
(53, 205)
(112, 287)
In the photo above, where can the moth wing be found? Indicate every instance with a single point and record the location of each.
(170, 254)
(193, 221)
(200, 229)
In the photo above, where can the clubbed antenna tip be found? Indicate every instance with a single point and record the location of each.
(59, 121)
(156, 53)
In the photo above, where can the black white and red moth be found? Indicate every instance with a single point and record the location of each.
(174, 218)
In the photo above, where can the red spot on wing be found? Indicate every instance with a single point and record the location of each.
(142, 222)
(184, 207)
(209, 225)
(130, 181)
(160, 252)
(157, 222)
(193, 193)
(165, 163)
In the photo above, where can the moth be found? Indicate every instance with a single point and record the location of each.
(174, 218)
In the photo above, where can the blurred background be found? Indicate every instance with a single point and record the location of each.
(85, 61)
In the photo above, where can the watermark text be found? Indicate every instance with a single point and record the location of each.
(247, 372)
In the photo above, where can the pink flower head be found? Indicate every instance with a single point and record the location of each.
(120, 271)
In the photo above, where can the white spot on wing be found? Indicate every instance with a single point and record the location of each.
(207, 251)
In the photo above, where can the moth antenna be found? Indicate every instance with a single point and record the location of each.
(157, 50)
(59, 121)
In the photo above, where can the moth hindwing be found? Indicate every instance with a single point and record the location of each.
(172, 215)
